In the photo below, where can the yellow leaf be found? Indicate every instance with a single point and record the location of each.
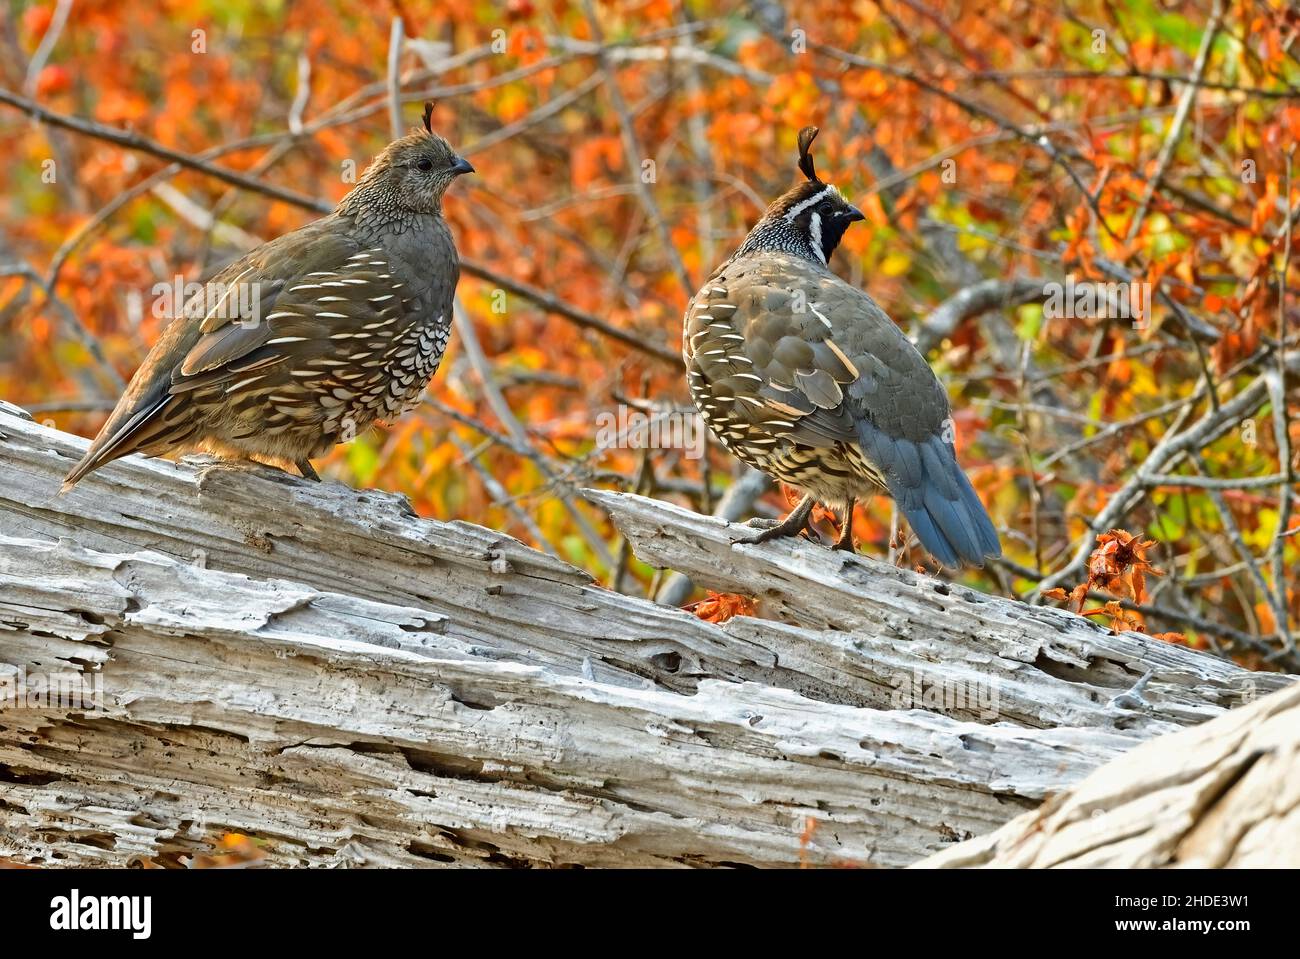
(896, 264)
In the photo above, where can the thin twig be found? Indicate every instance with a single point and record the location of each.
(634, 155)
(1282, 429)
(43, 49)
(1172, 447)
(467, 336)
(553, 305)
(500, 495)
(70, 319)
(1233, 535)
(301, 95)
(134, 141)
(395, 35)
(1186, 100)
(1289, 92)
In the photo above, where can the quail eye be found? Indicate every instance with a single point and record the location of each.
(425, 166)
(824, 208)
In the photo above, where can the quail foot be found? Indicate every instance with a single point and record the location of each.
(309, 339)
(804, 377)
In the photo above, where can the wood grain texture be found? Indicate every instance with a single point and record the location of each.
(1223, 795)
(354, 685)
(1050, 667)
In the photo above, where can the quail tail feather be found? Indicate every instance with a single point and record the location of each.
(954, 530)
(115, 440)
(934, 494)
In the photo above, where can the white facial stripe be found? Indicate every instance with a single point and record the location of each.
(815, 234)
(811, 201)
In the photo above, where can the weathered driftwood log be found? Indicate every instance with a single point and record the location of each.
(347, 730)
(1225, 794)
(321, 668)
(1049, 667)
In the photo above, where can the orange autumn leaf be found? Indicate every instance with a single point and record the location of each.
(1118, 565)
(720, 607)
(233, 851)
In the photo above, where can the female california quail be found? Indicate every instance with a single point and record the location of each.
(310, 338)
(805, 378)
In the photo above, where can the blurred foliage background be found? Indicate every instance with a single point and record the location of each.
(623, 150)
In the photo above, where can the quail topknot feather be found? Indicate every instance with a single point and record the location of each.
(804, 377)
(311, 337)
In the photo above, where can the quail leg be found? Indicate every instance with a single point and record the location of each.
(895, 546)
(845, 541)
(792, 525)
(306, 469)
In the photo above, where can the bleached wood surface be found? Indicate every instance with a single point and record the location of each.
(1223, 795)
(318, 667)
(1050, 667)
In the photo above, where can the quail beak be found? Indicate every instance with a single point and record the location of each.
(461, 166)
(854, 214)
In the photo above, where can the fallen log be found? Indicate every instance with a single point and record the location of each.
(352, 684)
(1222, 795)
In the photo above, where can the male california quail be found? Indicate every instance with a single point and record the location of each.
(310, 338)
(805, 378)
